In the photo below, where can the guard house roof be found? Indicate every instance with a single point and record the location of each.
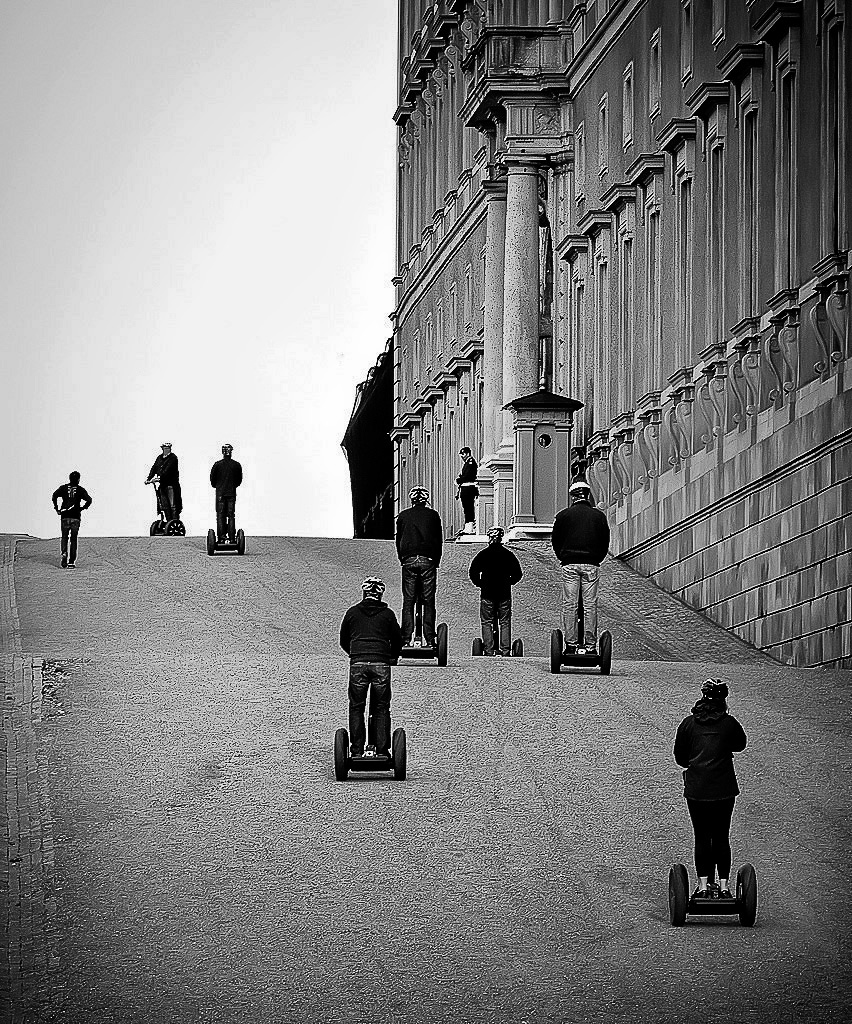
(544, 400)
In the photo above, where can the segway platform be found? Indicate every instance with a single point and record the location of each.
(572, 656)
(478, 648)
(215, 546)
(418, 648)
(743, 901)
(370, 760)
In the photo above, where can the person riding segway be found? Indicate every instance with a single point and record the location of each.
(704, 747)
(226, 476)
(419, 545)
(371, 636)
(165, 476)
(580, 540)
(495, 570)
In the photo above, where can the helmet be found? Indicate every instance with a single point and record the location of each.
(227, 448)
(418, 496)
(464, 451)
(714, 689)
(166, 444)
(495, 535)
(580, 491)
(373, 587)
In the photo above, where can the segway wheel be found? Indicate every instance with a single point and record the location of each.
(399, 753)
(155, 527)
(747, 894)
(606, 652)
(175, 528)
(341, 755)
(241, 542)
(678, 894)
(555, 650)
(518, 649)
(478, 648)
(211, 542)
(441, 638)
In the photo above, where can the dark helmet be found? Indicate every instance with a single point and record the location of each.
(227, 449)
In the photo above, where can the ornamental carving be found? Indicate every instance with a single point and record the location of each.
(782, 352)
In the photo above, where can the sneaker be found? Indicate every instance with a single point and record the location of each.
(354, 752)
(703, 894)
(725, 894)
(64, 562)
(72, 565)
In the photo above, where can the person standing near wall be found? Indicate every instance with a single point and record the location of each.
(74, 501)
(468, 492)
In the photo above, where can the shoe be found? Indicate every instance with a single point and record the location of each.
(724, 894)
(383, 753)
(703, 894)
(64, 562)
(72, 565)
(354, 752)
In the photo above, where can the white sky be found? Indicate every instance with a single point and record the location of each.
(196, 245)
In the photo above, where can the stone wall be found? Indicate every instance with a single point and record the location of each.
(756, 530)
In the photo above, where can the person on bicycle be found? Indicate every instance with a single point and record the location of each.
(419, 545)
(581, 540)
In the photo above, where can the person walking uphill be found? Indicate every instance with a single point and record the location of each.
(495, 570)
(226, 476)
(371, 637)
(419, 544)
(74, 501)
(166, 473)
(581, 540)
(704, 745)
(468, 492)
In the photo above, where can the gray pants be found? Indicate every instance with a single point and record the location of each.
(576, 580)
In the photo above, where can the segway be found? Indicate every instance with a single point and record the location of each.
(575, 655)
(163, 527)
(418, 648)
(478, 649)
(743, 900)
(214, 546)
(370, 760)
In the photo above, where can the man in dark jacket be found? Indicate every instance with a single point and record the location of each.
(371, 637)
(226, 476)
(495, 570)
(468, 492)
(74, 501)
(419, 544)
(166, 474)
(581, 540)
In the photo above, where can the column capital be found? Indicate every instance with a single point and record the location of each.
(494, 189)
(526, 163)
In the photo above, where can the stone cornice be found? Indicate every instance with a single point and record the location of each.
(707, 97)
(676, 133)
(571, 245)
(617, 196)
(645, 166)
(593, 221)
(777, 18)
(739, 59)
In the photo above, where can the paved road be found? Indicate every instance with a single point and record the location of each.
(206, 867)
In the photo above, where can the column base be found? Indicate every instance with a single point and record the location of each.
(529, 531)
(500, 465)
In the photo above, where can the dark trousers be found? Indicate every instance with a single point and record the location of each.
(225, 525)
(501, 611)
(419, 579)
(371, 677)
(468, 501)
(166, 498)
(711, 822)
(70, 528)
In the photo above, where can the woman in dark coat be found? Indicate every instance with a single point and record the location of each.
(705, 744)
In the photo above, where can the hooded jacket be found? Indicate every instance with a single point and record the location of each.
(226, 476)
(495, 570)
(704, 745)
(580, 535)
(370, 632)
(418, 532)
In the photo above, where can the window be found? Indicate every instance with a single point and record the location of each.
(716, 245)
(603, 356)
(603, 134)
(580, 161)
(654, 76)
(684, 270)
(468, 295)
(749, 235)
(625, 355)
(428, 355)
(454, 313)
(652, 291)
(785, 194)
(415, 360)
(441, 325)
(685, 39)
(627, 106)
(718, 21)
(834, 126)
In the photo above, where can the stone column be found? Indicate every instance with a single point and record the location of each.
(521, 283)
(495, 245)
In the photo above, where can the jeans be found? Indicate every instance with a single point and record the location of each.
(225, 525)
(70, 528)
(711, 822)
(419, 579)
(576, 580)
(501, 611)
(362, 676)
(166, 498)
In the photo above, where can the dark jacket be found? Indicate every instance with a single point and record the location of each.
(495, 570)
(580, 535)
(419, 532)
(71, 506)
(469, 470)
(226, 476)
(166, 468)
(704, 746)
(370, 632)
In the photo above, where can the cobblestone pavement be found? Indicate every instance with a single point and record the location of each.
(208, 868)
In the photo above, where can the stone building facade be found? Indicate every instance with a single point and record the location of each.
(643, 205)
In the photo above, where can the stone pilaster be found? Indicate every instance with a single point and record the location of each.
(494, 429)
